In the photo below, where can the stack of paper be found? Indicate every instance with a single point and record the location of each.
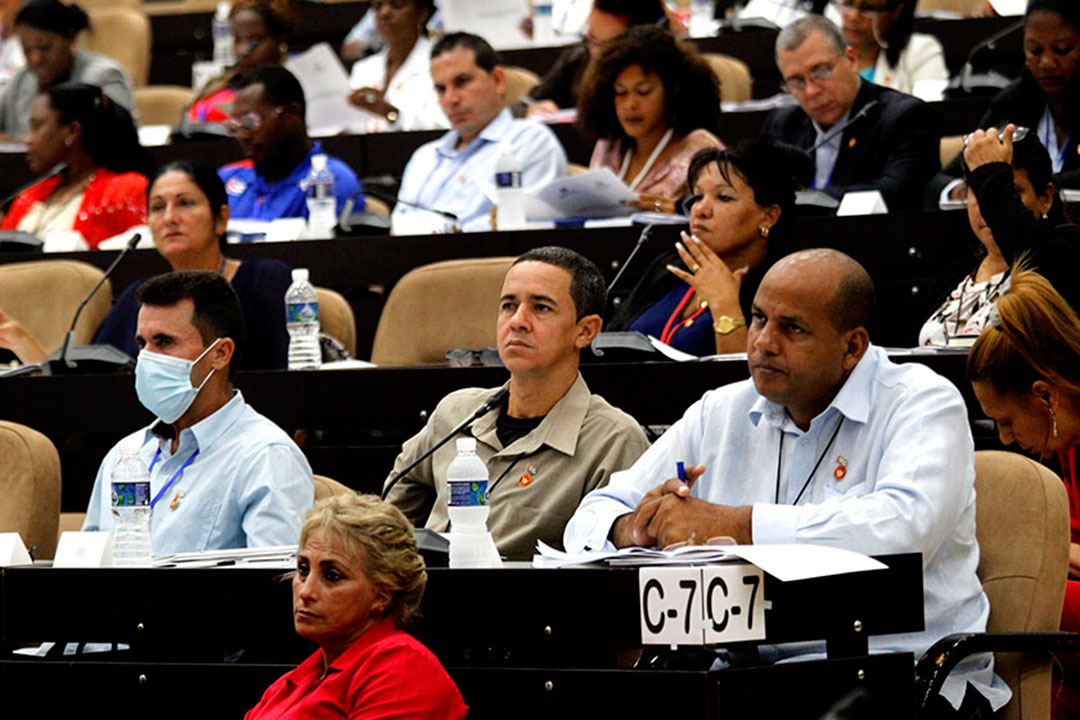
(271, 555)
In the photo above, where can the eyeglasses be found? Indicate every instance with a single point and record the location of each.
(865, 9)
(817, 75)
(250, 121)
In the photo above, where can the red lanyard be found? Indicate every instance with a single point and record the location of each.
(672, 326)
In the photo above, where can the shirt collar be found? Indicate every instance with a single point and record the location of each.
(559, 430)
(493, 132)
(207, 430)
(820, 132)
(852, 401)
(312, 667)
(299, 173)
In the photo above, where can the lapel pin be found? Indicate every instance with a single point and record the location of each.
(851, 143)
(841, 467)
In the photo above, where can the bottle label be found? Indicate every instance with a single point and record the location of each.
(130, 494)
(302, 312)
(470, 493)
(508, 180)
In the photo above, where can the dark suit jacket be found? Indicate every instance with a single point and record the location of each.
(893, 149)
(1023, 103)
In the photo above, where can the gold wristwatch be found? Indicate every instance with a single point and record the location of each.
(725, 324)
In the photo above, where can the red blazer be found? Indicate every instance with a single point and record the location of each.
(112, 203)
(386, 673)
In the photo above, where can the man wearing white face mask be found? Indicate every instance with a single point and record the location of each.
(221, 475)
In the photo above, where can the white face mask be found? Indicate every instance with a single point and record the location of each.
(163, 383)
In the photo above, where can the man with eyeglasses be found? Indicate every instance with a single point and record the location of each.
(268, 120)
(861, 136)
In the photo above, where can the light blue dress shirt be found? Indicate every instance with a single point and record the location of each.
(907, 485)
(826, 155)
(249, 485)
(440, 177)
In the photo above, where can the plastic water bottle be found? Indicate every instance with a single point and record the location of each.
(702, 18)
(131, 511)
(302, 321)
(510, 204)
(471, 545)
(543, 28)
(222, 36)
(321, 203)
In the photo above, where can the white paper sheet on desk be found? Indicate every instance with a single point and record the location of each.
(326, 91)
(593, 194)
(802, 561)
(669, 352)
(271, 555)
(549, 557)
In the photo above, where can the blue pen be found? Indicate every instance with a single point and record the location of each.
(680, 467)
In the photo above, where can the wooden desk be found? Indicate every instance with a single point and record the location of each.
(541, 642)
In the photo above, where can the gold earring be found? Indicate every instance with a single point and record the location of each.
(764, 230)
(1053, 420)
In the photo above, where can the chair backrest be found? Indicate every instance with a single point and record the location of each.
(29, 487)
(326, 487)
(1022, 523)
(518, 82)
(950, 147)
(433, 308)
(960, 7)
(734, 77)
(336, 318)
(123, 34)
(44, 295)
(161, 104)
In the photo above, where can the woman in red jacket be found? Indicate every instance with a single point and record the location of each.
(101, 190)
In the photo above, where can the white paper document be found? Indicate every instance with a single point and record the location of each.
(592, 194)
(326, 91)
(269, 556)
(801, 562)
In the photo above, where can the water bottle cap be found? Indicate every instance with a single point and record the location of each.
(223, 9)
(300, 275)
(466, 444)
(318, 162)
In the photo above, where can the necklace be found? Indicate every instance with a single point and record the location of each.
(58, 202)
(780, 460)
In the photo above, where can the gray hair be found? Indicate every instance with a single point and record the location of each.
(798, 31)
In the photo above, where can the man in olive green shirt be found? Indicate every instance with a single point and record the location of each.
(552, 441)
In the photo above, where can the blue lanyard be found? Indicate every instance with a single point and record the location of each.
(173, 479)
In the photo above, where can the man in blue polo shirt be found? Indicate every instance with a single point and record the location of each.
(268, 122)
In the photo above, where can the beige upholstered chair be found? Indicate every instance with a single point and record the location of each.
(734, 77)
(29, 487)
(951, 146)
(161, 104)
(326, 487)
(1022, 525)
(1022, 521)
(336, 318)
(518, 82)
(451, 304)
(43, 296)
(960, 7)
(123, 34)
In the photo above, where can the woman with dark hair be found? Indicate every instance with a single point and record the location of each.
(698, 300)
(101, 191)
(261, 30)
(653, 103)
(1045, 99)
(889, 52)
(47, 30)
(188, 211)
(394, 85)
(1024, 187)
